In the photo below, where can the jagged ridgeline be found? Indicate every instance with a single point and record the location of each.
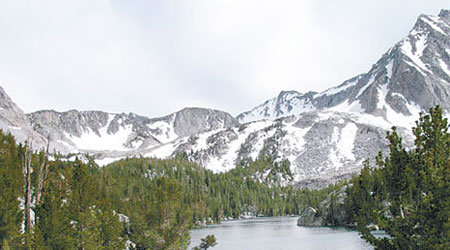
(346, 123)
(140, 203)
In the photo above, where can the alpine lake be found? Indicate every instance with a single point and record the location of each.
(277, 233)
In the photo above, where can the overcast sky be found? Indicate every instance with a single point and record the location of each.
(156, 57)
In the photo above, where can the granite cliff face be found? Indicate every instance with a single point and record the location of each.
(325, 136)
(101, 132)
(412, 76)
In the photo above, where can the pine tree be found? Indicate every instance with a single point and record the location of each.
(55, 223)
(82, 206)
(207, 242)
(111, 229)
(416, 193)
(11, 189)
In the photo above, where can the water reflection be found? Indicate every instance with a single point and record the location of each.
(278, 233)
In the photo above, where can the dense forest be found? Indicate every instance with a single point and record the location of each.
(136, 203)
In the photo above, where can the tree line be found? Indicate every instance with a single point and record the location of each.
(135, 203)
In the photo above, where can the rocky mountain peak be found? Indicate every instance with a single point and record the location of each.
(73, 121)
(15, 121)
(411, 77)
(420, 69)
(10, 113)
(284, 96)
(439, 25)
(5, 100)
(189, 121)
(444, 14)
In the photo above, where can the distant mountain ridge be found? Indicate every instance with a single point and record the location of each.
(98, 131)
(326, 136)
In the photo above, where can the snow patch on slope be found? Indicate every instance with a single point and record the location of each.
(431, 21)
(166, 150)
(108, 160)
(286, 104)
(293, 143)
(336, 90)
(227, 161)
(361, 91)
(392, 116)
(258, 146)
(201, 140)
(346, 141)
(264, 111)
(167, 133)
(292, 146)
(444, 66)
(389, 69)
(343, 139)
(414, 56)
(299, 106)
(90, 140)
(354, 107)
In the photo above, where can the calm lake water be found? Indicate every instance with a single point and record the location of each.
(279, 233)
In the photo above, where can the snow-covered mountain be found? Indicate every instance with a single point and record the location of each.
(412, 76)
(344, 125)
(326, 136)
(100, 132)
(319, 145)
(285, 104)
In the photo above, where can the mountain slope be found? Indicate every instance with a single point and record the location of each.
(325, 136)
(75, 131)
(97, 131)
(346, 124)
(322, 147)
(412, 76)
(285, 104)
(15, 121)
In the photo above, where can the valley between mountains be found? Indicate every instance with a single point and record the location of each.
(325, 136)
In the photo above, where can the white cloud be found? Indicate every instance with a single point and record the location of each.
(155, 57)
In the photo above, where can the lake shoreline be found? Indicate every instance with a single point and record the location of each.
(279, 232)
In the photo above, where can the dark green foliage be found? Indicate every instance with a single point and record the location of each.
(11, 188)
(159, 218)
(207, 242)
(211, 197)
(164, 198)
(365, 196)
(408, 194)
(70, 213)
(77, 205)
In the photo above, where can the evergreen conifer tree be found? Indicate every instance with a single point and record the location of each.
(416, 193)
